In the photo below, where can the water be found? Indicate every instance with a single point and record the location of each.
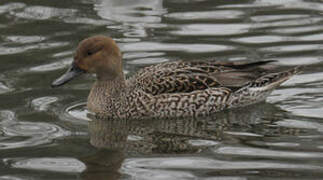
(48, 134)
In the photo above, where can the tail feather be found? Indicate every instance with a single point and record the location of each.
(273, 80)
(260, 88)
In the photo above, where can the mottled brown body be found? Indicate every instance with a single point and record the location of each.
(173, 89)
(182, 89)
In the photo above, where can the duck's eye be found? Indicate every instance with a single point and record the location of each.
(93, 50)
(89, 53)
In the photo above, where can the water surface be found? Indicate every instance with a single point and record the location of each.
(48, 134)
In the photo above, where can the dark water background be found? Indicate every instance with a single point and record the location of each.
(46, 133)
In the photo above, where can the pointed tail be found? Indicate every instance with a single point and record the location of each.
(260, 88)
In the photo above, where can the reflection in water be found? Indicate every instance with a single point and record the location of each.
(206, 15)
(115, 138)
(193, 48)
(212, 30)
(48, 164)
(131, 11)
(104, 164)
(190, 167)
(154, 136)
(42, 13)
(133, 16)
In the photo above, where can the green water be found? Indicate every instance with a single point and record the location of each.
(47, 133)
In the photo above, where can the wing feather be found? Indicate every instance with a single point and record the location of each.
(183, 77)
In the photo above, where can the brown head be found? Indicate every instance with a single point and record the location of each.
(97, 54)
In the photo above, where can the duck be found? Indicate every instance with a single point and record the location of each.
(170, 89)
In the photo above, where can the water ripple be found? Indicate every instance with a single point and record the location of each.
(297, 30)
(293, 48)
(27, 134)
(286, 23)
(301, 124)
(291, 4)
(57, 164)
(10, 177)
(52, 66)
(278, 17)
(283, 95)
(25, 39)
(261, 39)
(20, 49)
(76, 112)
(312, 37)
(205, 163)
(211, 29)
(11, 7)
(42, 103)
(206, 15)
(156, 47)
(307, 78)
(141, 11)
(6, 115)
(303, 60)
(44, 13)
(4, 89)
(266, 153)
(165, 168)
(132, 18)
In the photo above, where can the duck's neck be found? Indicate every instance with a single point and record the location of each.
(106, 94)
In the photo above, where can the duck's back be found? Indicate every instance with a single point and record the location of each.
(184, 77)
(179, 89)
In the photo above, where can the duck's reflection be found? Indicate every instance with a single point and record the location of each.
(154, 136)
(117, 138)
(104, 164)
